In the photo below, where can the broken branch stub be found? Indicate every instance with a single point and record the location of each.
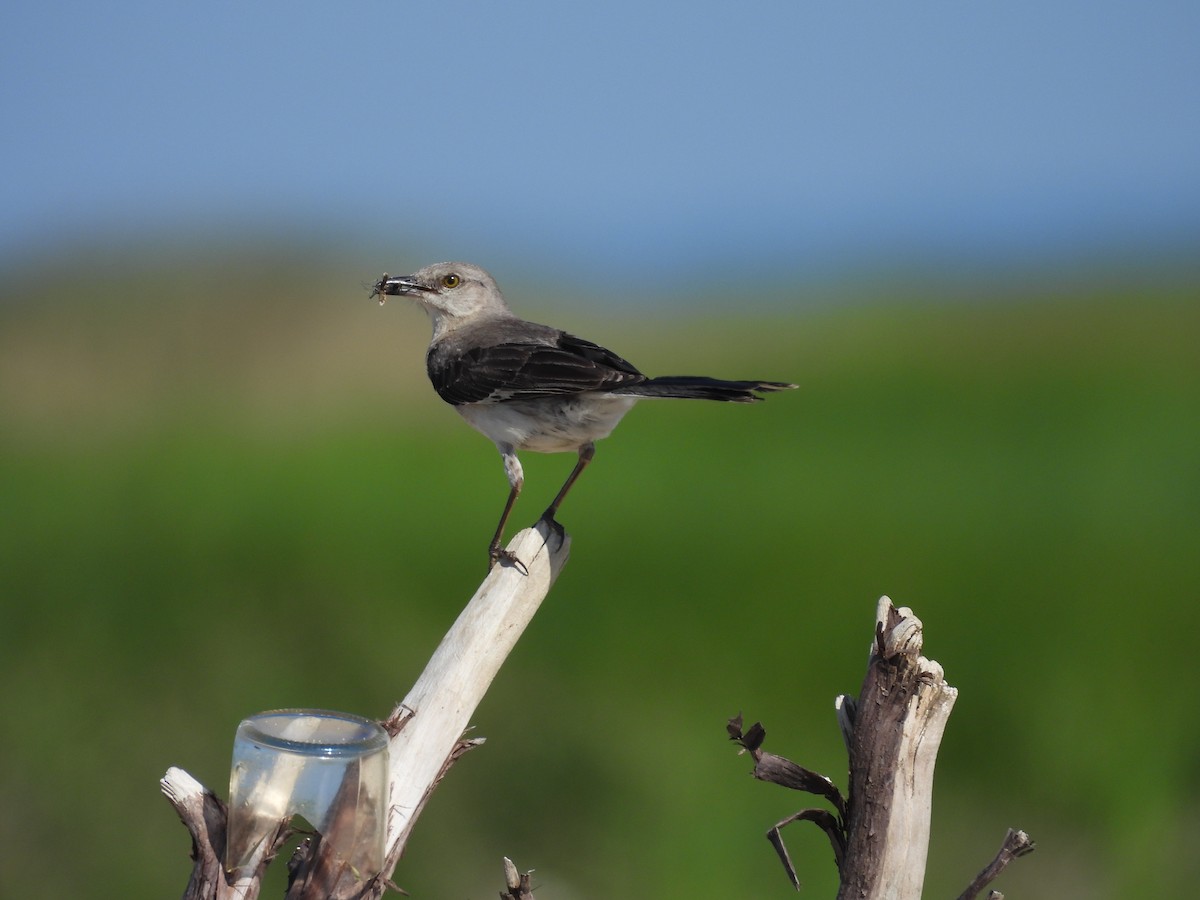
(899, 720)
(892, 732)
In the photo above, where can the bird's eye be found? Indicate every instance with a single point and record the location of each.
(451, 280)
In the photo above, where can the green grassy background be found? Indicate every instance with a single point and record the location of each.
(227, 487)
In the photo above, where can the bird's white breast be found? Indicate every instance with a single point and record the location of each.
(548, 424)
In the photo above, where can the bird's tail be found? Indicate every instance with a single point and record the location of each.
(697, 387)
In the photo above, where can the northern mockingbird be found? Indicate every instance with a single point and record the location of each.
(529, 386)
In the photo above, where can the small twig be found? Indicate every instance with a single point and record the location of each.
(825, 820)
(779, 770)
(1016, 843)
(517, 883)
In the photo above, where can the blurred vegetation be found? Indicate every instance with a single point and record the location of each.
(225, 486)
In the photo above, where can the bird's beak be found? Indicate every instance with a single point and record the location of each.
(396, 286)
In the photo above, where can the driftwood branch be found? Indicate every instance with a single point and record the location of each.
(427, 736)
(880, 834)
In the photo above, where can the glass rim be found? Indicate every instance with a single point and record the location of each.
(367, 736)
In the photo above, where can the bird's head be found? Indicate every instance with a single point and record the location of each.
(451, 292)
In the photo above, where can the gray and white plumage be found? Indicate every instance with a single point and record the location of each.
(528, 386)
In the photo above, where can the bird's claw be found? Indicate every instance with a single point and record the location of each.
(505, 557)
(559, 532)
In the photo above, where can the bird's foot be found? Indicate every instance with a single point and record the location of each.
(498, 554)
(560, 533)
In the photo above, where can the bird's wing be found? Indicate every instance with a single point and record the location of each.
(525, 370)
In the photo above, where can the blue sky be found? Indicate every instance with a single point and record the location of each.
(630, 135)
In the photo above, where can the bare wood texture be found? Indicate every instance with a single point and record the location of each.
(429, 723)
(426, 730)
(899, 719)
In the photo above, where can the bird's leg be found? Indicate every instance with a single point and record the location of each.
(496, 553)
(586, 452)
(516, 479)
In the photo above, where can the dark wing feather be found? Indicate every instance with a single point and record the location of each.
(519, 370)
